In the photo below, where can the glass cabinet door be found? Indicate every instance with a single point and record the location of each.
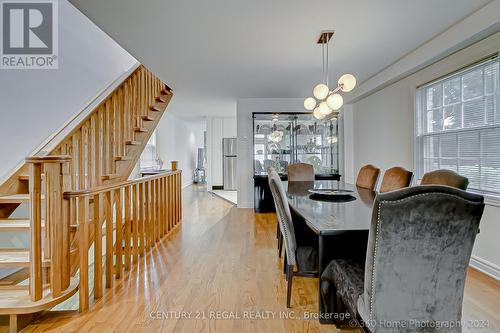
(281, 139)
(272, 142)
(316, 143)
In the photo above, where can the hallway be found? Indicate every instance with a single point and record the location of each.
(220, 265)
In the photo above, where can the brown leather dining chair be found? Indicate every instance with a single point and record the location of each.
(395, 178)
(445, 177)
(300, 172)
(367, 177)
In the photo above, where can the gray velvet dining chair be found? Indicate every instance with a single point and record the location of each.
(299, 259)
(419, 246)
(279, 235)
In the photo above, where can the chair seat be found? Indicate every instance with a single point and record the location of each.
(348, 277)
(307, 259)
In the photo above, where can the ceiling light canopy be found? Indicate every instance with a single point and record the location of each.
(325, 101)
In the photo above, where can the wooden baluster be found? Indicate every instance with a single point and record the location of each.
(160, 208)
(97, 147)
(126, 111)
(105, 139)
(180, 196)
(159, 228)
(98, 213)
(112, 136)
(170, 202)
(72, 163)
(109, 238)
(54, 220)
(154, 216)
(135, 222)
(119, 233)
(88, 155)
(119, 123)
(66, 225)
(177, 193)
(142, 208)
(165, 206)
(147, 220)
(83, 218)
(128, 208)
(167, 228)
(35, 190)
(174, 195)
(81, 158)
(144, 102)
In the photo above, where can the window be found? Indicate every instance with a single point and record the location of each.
(149, 155)
(458, 125)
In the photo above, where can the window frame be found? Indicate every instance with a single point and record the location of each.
(419, 97)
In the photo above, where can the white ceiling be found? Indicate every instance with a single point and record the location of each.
(221, 50)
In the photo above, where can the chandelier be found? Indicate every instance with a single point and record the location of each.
(326, 101)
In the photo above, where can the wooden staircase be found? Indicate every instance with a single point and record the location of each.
(101, 150)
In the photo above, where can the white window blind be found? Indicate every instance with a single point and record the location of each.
(458, 125)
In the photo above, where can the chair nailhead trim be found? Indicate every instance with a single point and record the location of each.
(377, 232)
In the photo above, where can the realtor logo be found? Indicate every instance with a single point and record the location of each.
(29, 38)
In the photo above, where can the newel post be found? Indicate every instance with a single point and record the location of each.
(56, 221)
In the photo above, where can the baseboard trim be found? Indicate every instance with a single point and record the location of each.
(485, 267)
(186, 184)
(245, 205)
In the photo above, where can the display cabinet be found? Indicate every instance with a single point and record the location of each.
(280, 139)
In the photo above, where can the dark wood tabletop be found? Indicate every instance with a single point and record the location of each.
(328, 217)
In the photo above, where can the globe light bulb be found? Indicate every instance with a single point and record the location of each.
(309, 103)
(318, 115)
(321, 91)
(324, 109)
(335, 101)
(347, 82)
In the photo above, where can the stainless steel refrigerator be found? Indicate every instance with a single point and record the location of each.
(229, 163)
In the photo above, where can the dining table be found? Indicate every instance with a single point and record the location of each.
(344, 217)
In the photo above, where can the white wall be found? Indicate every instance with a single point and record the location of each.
(36, 103)
(217, 129)
(178, 140)
(383, 135)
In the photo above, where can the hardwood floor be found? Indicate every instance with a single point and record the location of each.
(221, 262)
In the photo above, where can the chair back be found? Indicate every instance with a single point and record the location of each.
(445, 177)
(300, 172)
(419, 246)
(284, 216)
(395, 178)
(367, 177)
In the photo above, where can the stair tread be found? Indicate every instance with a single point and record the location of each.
(15, 224)
(147, 118)
(15, 198)
(15, 277)
(110, 176)
(140, 129)
(17, 301)
(132, 143)
(123, 158)
(12, 259)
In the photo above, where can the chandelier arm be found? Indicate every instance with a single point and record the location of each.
(327, 58)
(339, 87)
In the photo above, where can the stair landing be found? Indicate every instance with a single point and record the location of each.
(18, 301)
